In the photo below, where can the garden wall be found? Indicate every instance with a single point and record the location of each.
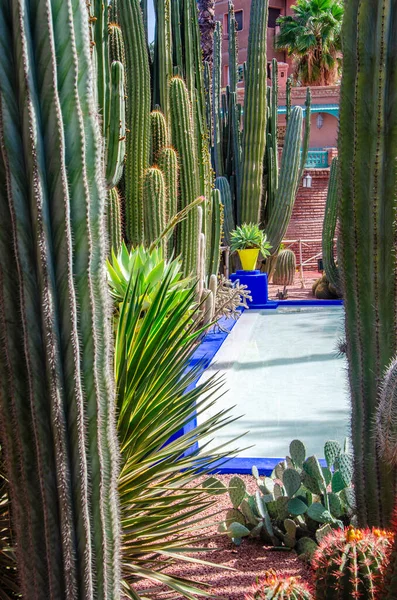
(308, 215)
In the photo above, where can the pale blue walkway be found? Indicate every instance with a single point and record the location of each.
(286, 379)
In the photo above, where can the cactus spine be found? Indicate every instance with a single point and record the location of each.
(138, 116)
(154, 203)
(57, 400)
(255, 114)
(329, 227)
(114, 220)
(367, 164)
(350, 564)
(284, 273)
(162, 67)
(168, 163)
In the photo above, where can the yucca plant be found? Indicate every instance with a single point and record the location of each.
(160, 501)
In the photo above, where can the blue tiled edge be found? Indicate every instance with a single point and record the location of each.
(205, 353)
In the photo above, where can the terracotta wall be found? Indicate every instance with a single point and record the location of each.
(308, 215)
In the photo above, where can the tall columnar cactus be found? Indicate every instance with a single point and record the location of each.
(216, 101)
(107, 53)
(255, 114)
(159, 134)
(367, 163)
(284, 195)
(350, 564)
(57, 399)
(154, 198)
(284, 273)
(162, 64)
(329, 227)
(222, 184)
(215, 233)
(114, 220)
(182, 137)
(138, 116)
(168, 163)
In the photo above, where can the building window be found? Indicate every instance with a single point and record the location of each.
(239, 20)
(274, 14)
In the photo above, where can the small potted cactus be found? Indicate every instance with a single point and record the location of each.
(248, 240)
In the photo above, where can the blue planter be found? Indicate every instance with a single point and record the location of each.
(257, 283)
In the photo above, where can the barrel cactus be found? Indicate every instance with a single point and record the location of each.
(275, 586)
(284, 273)
(57, 404)
(350, 563)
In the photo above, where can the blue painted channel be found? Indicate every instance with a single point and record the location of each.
(205, 353)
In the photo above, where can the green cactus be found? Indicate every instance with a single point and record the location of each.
(182, 137)
(329, 227)
(275, 586)
(116, 43)
(284, 273)
(138, 116)
(114, 220)
(222, 184)
(168, 163)
(216, 101)
(57, 405)
(116, 128)
(215, 233)
(154, 198)
(159, 134)
(306, 137)
(162, 65)
(284, 199)
(350, 564)
(255, 115)
(108, 60)
(367, 158)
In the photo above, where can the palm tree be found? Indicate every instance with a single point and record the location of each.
(312, 37)
(206, 16)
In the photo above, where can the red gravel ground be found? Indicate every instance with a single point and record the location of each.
(296, 291)
(249, 561)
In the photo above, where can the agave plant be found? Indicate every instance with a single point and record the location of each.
(142, 271)
(160, 500)
(249, 236)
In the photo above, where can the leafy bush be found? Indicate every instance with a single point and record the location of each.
(298, 505)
